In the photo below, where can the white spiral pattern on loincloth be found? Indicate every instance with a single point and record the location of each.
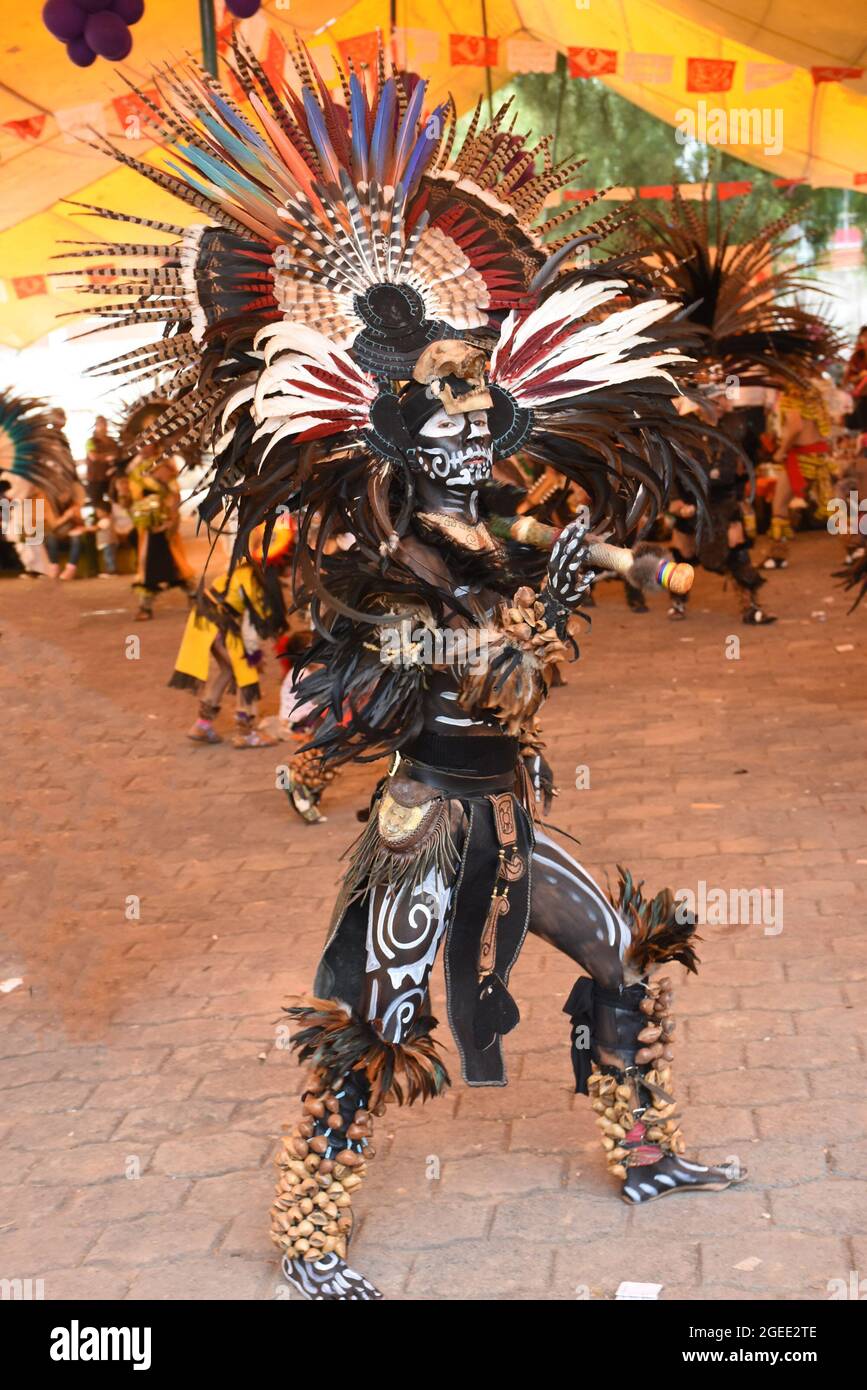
(404, 931)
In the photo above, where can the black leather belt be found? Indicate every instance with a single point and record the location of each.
(457, 783)
(477, 755)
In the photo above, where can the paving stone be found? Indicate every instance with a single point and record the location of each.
(843, 1018)
(124, 1199)
(209, 1155)
(598, 1266)
(794, 994)
(736, 1210)
(847, 1158)
(252, 1081)
(204, 1280)
(747, 1087)
(175, 1117)
(62, 1130)
(828, 1206)
(740, 1025)
(142, 1090)
(717, 1124)
(45, 1098)
(26, 1202)
(21, 1071)
(553, 1133)
(27, 1251)
(143, 1039)
(233, 1192)
(86, 1284)
(801, 1053)
(771, 1163)
(560, 1216)
(91, 1163)
(518, 1100)
(157, 1238)
(500, 1174)
(830, 1121)
(461, 1138)
(790, 1260)
(439, 1222)
(466, 1268)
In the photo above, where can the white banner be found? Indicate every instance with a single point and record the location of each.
(530, 55)
(757, 75)
(648, 67)
(78, 122)
(417, 48)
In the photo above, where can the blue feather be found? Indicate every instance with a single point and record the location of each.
(423, 151)
(319, 136)
(241, 126)
(221, 175)
(407, 130)
(382, 141)
(188, 178)
(237, 148)
(358, 111)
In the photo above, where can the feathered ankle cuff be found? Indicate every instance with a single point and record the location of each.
(337, 1044)
(661, 930)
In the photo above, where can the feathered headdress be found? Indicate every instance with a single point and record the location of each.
(34, 447)
(359, 218)
(740, 299)
(343, 241)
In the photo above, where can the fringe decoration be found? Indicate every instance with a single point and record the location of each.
(374, 863)
(658, 937)
(337, 1044)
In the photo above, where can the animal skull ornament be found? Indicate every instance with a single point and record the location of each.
(455, 451)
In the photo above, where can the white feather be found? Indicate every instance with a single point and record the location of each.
(598, 353)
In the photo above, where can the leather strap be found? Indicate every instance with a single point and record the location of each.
(457, 783)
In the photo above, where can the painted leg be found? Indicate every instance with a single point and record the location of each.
(359, 1065)
(630, 1087)
(621, 1023)
(321, 1164)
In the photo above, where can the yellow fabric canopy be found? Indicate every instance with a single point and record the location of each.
(822, 128)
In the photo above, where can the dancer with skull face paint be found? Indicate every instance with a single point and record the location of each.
(452, 331)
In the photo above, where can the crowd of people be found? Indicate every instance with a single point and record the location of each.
(119, 513)
(116, 512)
(799, 450)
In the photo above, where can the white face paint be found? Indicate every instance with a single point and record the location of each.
(464, 456)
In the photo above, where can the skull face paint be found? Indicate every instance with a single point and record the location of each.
(455, 450)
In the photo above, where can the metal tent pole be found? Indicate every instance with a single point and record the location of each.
(209, 35)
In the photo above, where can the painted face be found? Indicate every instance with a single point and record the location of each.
(455, 450)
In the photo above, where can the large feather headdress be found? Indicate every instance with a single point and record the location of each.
(33, 447)
(742, 295)
(343, 239)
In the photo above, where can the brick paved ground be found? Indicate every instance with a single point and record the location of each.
(142, 1087)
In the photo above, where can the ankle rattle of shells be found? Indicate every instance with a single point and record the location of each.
(322, 1162)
